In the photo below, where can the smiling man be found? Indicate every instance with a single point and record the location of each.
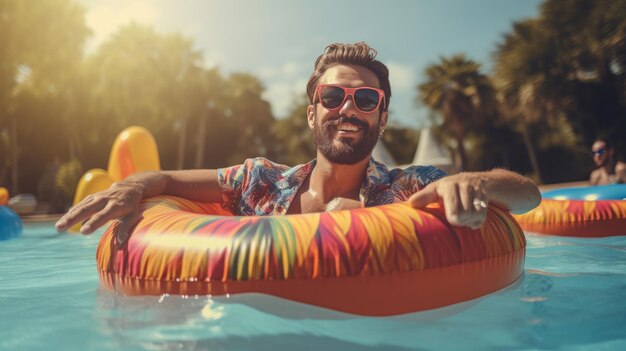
(349, 94)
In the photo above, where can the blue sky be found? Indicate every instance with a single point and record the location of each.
(279, 40)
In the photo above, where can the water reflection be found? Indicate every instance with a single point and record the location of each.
(559, 303)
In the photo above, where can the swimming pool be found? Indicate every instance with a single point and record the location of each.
(572, 296)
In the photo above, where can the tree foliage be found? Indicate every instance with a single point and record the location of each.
(294, 138)
(40, 53)
(565, 71)
(65, 107)
(462, 96)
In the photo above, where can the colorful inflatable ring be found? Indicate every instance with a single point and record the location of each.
(596, 211)
(376, 261)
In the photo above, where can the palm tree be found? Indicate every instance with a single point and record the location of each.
(532, 80)
(461, 95)
(517, 81)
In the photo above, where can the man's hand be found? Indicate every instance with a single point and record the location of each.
(120, 201)
(464, 198)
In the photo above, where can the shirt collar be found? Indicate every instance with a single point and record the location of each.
(376, 178)
(295, 176)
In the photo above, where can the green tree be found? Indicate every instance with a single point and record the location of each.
(590, 41)
(158, 81)
(461, 95)
(523, 62)
(248, 132)
(140, 76)
(67, 178)
(40, 47)
(294, 139)
(210, 114)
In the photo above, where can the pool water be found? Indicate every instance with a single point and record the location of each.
(572, 297)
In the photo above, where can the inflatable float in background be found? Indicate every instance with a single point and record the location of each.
(595, 211)
(10, 222)
(134, 150)
(4, 196)
(375, 261)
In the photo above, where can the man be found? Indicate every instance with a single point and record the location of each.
(349, 94)
(609, 171)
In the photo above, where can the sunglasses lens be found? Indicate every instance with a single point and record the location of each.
(366, 99)
(599, 152)
(332, 97)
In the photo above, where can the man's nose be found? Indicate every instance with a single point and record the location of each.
(348, 108)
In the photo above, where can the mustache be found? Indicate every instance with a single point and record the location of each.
(352, 120)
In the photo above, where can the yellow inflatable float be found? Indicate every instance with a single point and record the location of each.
(134, 150)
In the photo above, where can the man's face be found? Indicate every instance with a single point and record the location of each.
(346, 135)
(601, 155)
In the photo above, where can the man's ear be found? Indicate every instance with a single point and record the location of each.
(383, 120)
(310, 116)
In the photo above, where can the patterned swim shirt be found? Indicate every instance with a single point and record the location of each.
(260, 187)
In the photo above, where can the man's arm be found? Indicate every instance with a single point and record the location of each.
(620, 172)
(594, 177)
(465, 195)
(121, 200)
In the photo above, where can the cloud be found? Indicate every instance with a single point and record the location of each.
(214, 58)
(283, 94)
(284, 84)
(287, 71)
(402, 77)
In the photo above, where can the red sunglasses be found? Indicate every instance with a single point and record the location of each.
(332, 97)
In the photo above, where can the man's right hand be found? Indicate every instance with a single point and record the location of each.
(120, 201)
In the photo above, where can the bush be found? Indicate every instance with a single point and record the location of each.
(67, 178)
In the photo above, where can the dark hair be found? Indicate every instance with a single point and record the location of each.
(608, 142)
(359, 54)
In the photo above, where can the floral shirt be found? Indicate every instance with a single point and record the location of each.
(261, 187)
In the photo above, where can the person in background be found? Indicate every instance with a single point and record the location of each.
(349, 94)
(609, 170)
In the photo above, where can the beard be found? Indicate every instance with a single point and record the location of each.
(350, 150)
(602, 161)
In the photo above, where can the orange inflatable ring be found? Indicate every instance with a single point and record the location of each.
(375, 261)
(597, 211)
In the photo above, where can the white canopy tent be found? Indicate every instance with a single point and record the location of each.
(382, 155)
(430, 153)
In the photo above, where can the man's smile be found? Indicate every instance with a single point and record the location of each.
(347, 129)
(347, 126)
